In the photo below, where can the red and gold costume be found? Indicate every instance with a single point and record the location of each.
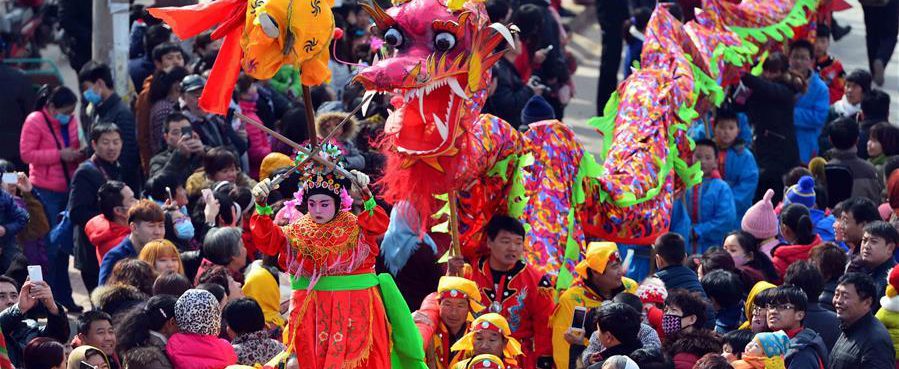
(343, 315)
(490, 322)
(524, 297)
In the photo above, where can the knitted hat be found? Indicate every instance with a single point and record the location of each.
(537, 109)
(273, 162)
(773, 343)
(652, 290)
(893, 279)
(599, 254)
(760, 220)
(802, 193)
(198, 312)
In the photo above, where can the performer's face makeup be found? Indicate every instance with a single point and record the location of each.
(488, 342)
(321, 208)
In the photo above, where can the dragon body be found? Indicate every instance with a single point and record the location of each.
(437, 141)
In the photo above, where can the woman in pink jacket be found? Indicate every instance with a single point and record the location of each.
(259, 145)
(49, 144)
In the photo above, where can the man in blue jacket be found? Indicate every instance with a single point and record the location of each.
(147, 222)
(12, 220)
(810, 111)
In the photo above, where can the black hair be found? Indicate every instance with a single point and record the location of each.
(716, 258)
(862, 78)
(88, 318)
(621, 320)
(863, 210)
(100, 129)
(156, 185)
(876, 105)
(163, 82)
(95, 71)
(651, 358)
(726, 114)
(760, 261)
(172, 118)
(59, 97)
(804, 275)
(792, 177)
(202, 40)
(218, 159)
(843, 133)
(293, 124)
(244, 82)
(724, 287)
(166, 48)
(109, 197)
(171, 283)
(319, 95)
(738, 339)
(776, 62)
(888, 136)
(690, 303)
(709, 143)
(763, 298)
(155, 35)
(641, 17)
(134, 329)
(529, 18)
(215, 289)
(149, 357)
(7, 279)
(863, 284)
(712, 360)
(244, 316)
(799, 220)
(803, 44)
(890, 166)
(822, 31)
(829, 259)
(629, 299)
(883, 230)
(506, 223)
(671, 248)
(789, 294)
(497, 10)
(43, 353)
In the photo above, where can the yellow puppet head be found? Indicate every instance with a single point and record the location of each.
(491, 322)
(279, 32)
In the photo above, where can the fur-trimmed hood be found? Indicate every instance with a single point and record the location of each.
(350, 128)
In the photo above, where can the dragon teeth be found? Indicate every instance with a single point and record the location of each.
(442, 127)
(457, 89)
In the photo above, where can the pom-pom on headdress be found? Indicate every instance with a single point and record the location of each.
(319, 179)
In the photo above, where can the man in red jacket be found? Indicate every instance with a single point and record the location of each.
(516, 290)
(106, 230)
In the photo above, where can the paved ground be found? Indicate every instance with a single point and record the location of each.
(586, 46)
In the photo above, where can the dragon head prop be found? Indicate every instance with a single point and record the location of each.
(441, 52)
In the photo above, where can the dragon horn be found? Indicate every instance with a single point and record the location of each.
(382, 20)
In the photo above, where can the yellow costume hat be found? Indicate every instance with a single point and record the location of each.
(489, 322)
(485, 361)
(599, 254)
(460, 288)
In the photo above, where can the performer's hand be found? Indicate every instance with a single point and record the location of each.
(455, 265)
(362, 179)
(262, 190)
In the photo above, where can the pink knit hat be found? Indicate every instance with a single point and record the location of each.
(760, 220)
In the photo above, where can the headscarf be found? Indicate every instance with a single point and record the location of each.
(599, 255)
(198, 312)
(261, 285)
(750, 301)
(460, 288)
(80, 354)
(493, 322)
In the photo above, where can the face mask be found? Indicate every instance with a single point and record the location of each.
(184, 229)
(63, 118)
(92, 96)
(740, 260)
(671, 324)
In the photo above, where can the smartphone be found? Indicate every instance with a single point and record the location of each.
(35, 274)
(168, 191)
(207, 193)
(10, 178)
(579, 318)
(187, 131)
(548, 48)
(85, 365)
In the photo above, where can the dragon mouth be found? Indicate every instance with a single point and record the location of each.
(426, 121)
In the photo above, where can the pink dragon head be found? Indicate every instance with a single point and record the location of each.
(441, 52)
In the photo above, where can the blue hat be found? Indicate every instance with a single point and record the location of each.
(802, 193)
(773, 343)
(537, 109)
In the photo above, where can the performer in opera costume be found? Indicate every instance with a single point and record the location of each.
(343, 315)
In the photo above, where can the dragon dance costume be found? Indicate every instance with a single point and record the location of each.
(344, 316)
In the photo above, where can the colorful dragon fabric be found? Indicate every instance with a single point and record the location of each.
(437, 141)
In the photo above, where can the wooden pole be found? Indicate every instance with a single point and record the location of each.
(310, 116)
(456, 249)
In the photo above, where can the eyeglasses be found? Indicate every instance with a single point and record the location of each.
(781, 307)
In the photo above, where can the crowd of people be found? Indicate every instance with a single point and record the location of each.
(783, 257)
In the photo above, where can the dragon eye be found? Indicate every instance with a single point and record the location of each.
(393, 37)
(444, 41)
